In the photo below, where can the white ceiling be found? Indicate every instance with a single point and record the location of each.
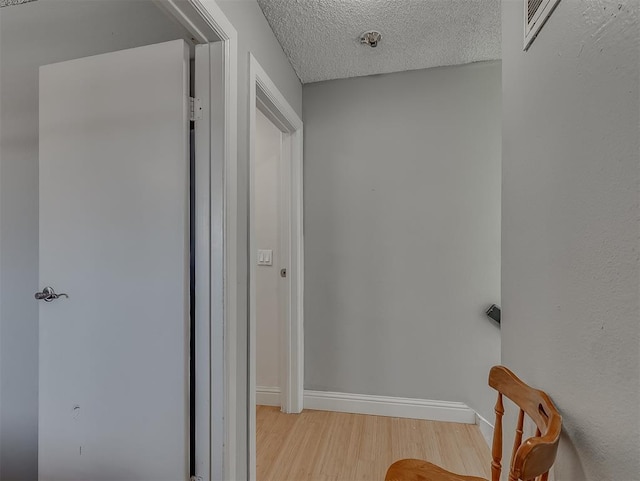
(321, 37)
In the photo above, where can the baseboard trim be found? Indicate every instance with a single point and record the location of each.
(486, 428)
(455, 412)
(268, 396)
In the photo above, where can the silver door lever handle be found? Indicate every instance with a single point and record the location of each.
(48, 295)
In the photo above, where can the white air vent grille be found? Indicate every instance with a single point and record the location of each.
(532, 8)
(536, 13)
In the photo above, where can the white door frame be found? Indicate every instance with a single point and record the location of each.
(264, 93)
(216, 233)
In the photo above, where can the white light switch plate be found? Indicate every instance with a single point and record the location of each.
(265, 257)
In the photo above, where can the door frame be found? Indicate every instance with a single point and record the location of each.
(264, 93)
(216, 236)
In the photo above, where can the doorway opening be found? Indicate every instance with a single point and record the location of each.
(271, 224)
(272, 115)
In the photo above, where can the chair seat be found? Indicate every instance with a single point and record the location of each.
(418, 470)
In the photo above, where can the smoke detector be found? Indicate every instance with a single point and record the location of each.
(371, 38)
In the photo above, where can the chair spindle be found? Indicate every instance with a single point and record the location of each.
(518, 439)
(496, 451)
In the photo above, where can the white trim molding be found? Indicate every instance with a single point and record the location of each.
(217, 224)
(446, 411)
(268, 396)
(276, 107)
(486, 428)
(223, 241)
(263, 93)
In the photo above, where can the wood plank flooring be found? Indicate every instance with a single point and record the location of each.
(329, 446)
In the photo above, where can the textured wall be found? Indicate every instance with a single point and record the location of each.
(402, 233)
(31, 35)
(571, 232)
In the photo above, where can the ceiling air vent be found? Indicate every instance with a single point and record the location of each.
(536, 13)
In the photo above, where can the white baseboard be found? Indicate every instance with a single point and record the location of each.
(446, 411)
(390, 406)
(486, 428)
(267, 396)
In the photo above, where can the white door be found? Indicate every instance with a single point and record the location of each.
(114, 150)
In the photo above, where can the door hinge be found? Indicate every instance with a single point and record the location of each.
(195, 109)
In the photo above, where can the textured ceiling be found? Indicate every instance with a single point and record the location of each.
(8, 3)
(321, 37)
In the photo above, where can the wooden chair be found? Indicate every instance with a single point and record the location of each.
(530, 460)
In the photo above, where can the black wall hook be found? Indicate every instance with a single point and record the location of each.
(494, 313)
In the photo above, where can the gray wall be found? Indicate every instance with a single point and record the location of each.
(31, 35)
(255, 36)
(570, 267)
(402, 233)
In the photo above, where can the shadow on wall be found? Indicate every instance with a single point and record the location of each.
(568, 463)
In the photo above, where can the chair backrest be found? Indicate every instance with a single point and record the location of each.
(531, 459)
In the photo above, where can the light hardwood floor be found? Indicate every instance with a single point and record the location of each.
(329, 446)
